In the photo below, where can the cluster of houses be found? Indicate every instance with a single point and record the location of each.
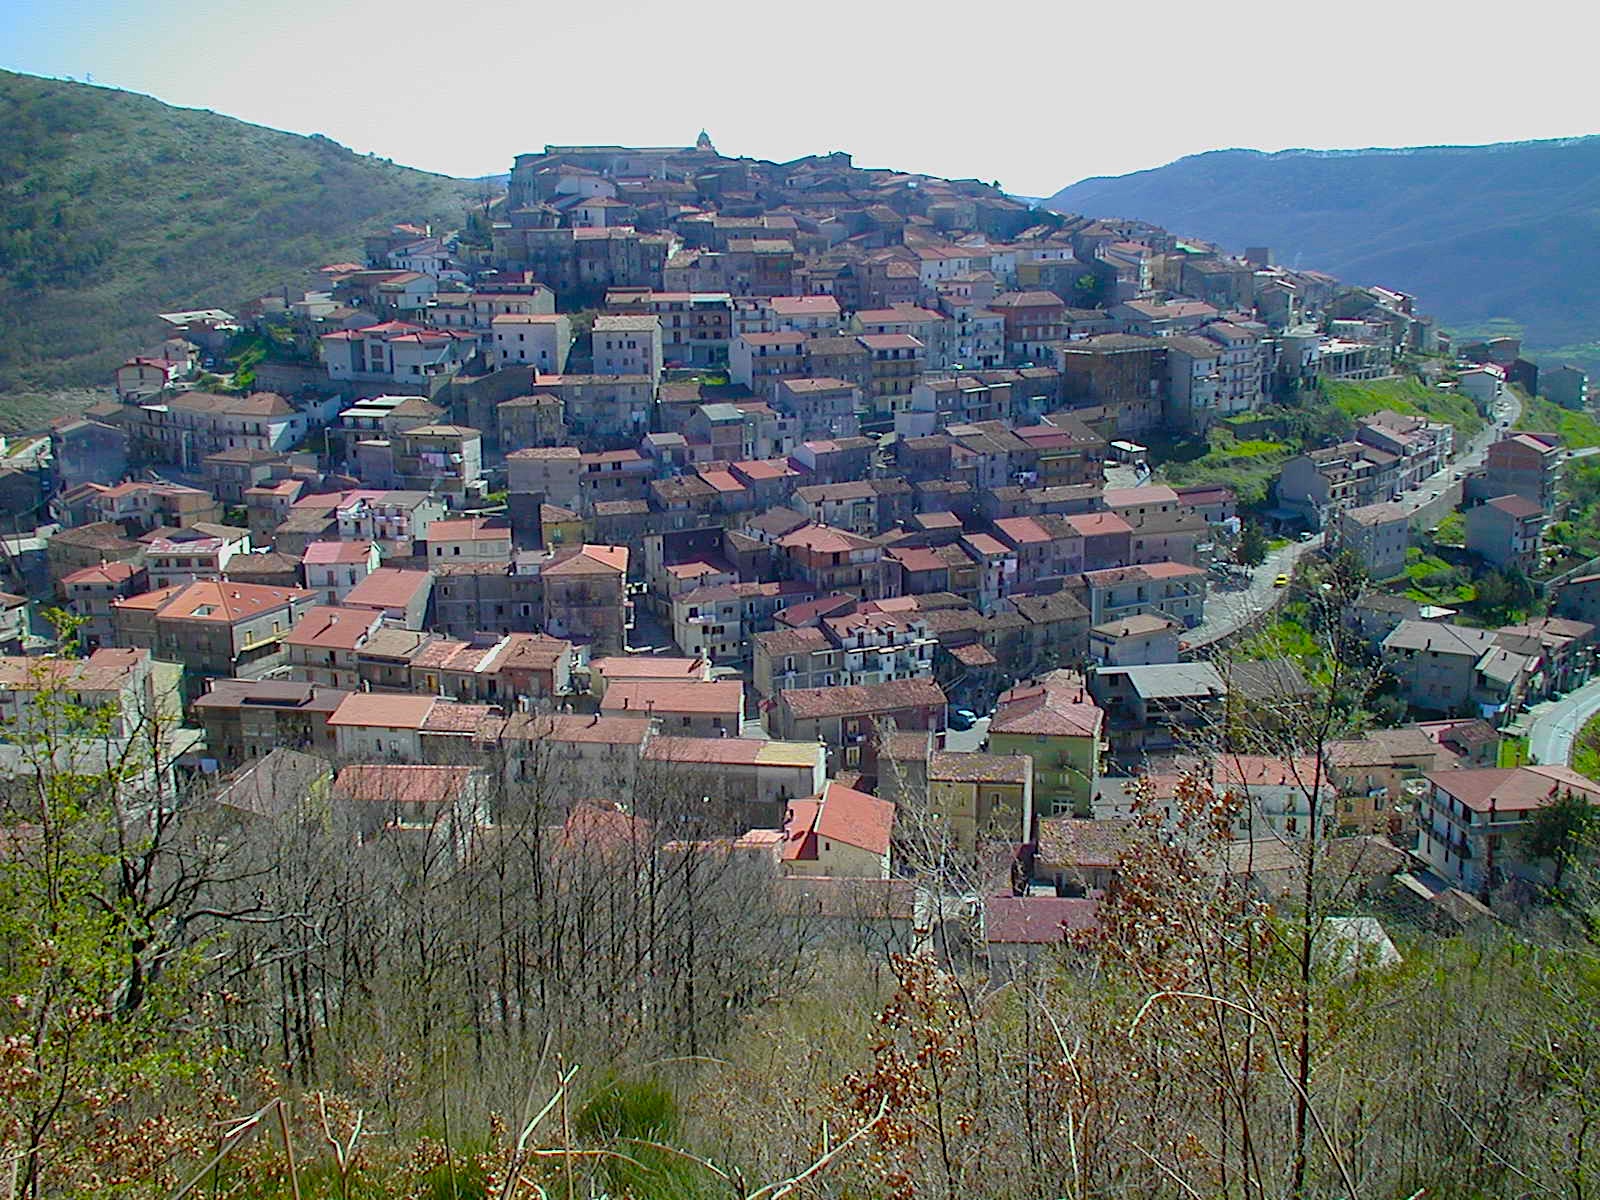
(1353, 493)
(758, 480)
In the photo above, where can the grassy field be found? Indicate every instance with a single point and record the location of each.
(118, 207)
(1586, 749)
(1248, 467)
(1431, 580)
(1410, 396)
(1452, 530)
(26, 411)
(1577, 429)
(1513, 752)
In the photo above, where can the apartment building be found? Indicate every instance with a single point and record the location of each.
(1377, 534)
(212, 627)
(1475, 821)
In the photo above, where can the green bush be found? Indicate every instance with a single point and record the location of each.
(626, 1116)
(628, 1109)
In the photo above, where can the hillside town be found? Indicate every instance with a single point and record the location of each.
(834, 498)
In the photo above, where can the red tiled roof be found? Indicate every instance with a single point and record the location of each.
(863, 699)
(575, 727)
(329, 553)
(1023, 530)
(388, 587)
(1512, 789)
(1134, 496)
(986, 544)
(1098, 524)
(1515, 506)
(397, 783)
(720, 698)
(592, 559)
(213, 600)
(1036, 920)
(617, 668)
(1051, 708)
(1077, 842)
(469, 529)
(601, 825)
(327, 627)
(382, 710)
(531, 651)
(839, 814)
(889, 341)
(111, 572)
(823, 539)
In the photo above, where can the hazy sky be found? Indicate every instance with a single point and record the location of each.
(1036, 95)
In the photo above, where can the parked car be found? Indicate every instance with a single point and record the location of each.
(1281, 581)
(1306, 535)
(962, 718)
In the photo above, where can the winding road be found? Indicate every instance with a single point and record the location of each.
(1553, 725)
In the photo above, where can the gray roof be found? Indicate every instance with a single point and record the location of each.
(1439, 637)
(1171, 681)
(1268, 679)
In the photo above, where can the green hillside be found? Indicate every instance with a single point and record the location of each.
(1410, 396)
(114, 206)
(1485, 236)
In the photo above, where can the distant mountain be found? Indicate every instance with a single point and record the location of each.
(114, 206)
(1476, 232)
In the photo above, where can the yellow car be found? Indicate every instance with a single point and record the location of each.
(1281, 581)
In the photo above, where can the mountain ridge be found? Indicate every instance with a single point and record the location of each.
(1502, 231)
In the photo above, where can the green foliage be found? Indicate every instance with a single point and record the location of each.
(1434, 581)
(117, 207)
(461, 1179)
(1248, 467)
(1502, 598)
(1452, 530)
(1314, 417)
(98, 1020)
(628, 1109)
(1511, 752)
(1561, 828)
(1410, 396)
(1577, 429)
(1286, 637)
(1311, 420)
(1586, 749)
(638, 1120)
(1252, 551)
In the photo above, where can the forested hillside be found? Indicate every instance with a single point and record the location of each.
(267, 991)
(114, 206)
(1477, 232)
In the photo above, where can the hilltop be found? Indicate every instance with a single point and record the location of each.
(1476, 232)
(117, 206)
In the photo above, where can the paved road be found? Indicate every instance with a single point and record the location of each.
(1227, 611)
(1553, 725)
(967, 739)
